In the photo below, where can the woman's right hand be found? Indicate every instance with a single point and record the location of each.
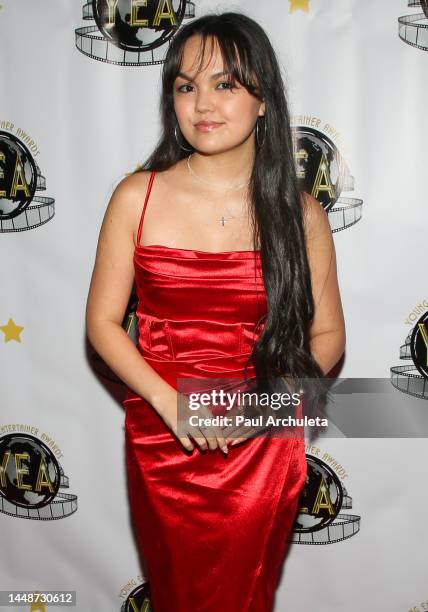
(178, 416)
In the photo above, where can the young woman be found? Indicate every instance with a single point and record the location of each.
(236, 274)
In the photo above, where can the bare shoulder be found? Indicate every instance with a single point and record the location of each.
(127, 199)
(314, 216)
(132, 186)
(135, 185)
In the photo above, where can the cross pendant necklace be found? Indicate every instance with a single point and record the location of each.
(223, 220)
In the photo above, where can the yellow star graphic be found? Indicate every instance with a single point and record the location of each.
(296, 5)
(11, 331)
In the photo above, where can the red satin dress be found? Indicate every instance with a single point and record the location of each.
(212, 528)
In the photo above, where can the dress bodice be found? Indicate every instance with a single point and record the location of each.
(195, 302)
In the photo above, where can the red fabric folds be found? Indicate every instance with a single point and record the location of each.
(212, 528)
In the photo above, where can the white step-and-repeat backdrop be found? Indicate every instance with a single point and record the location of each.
(79, 103)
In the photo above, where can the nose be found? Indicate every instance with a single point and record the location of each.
(204, 101)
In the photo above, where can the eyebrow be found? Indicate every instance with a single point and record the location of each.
(212, 77)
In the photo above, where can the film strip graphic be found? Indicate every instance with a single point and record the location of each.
(345, 212)
(91, 41)
(413, 29)
(33, 216)
(407, 378)
(55, 509)
(343, 527)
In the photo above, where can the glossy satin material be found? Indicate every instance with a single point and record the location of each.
(212, 529)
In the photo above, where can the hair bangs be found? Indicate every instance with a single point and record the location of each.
(235, 56)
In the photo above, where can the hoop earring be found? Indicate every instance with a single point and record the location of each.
(257, 132)
(176, 138)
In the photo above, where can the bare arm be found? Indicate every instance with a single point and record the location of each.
(327, 331)
(110, 288)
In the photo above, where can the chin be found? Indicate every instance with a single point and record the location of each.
(215, 148)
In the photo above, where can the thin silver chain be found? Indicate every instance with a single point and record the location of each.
(209, 182)
(222, 220)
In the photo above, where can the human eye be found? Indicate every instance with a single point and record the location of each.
(180, 87)
(230, 84)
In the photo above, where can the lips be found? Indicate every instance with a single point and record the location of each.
(207, 126)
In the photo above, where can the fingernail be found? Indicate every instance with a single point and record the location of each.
(234, 442)
(225, 449)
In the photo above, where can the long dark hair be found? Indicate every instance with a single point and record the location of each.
(282, 347)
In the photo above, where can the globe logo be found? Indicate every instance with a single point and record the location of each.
(29, 472)
(320, 167)
(322, 172)
(412, 378)
(321, 498)
(18, 176)
(319, 519)
(138, 25)
(419, 345)
(131, 32)
(138, 599)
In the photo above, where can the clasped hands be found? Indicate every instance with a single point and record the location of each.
(247, 421)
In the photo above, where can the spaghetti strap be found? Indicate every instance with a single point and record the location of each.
(149, 187)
